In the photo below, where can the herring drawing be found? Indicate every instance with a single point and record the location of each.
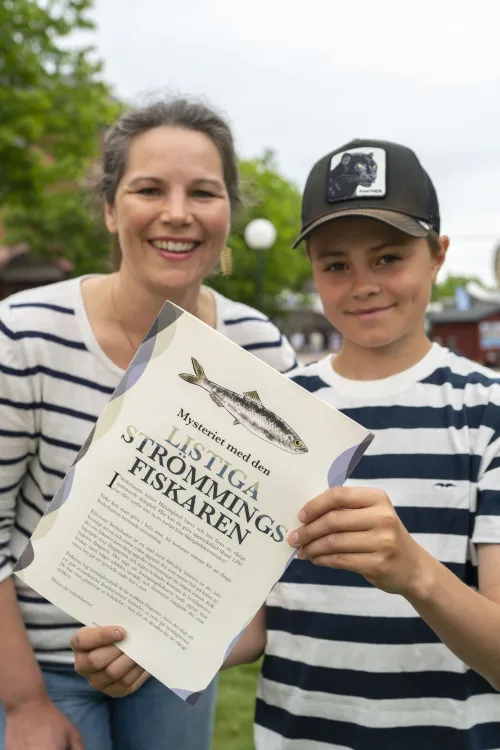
(249, 411)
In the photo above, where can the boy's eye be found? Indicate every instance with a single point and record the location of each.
(388, 258)
(336, 267)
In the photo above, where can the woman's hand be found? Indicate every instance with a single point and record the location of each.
(39, 725)
(357, 528)
(103, 664)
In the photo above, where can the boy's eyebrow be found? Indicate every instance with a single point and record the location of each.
(332, 253)
(329, 253)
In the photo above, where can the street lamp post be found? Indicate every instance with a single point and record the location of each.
(260, 235)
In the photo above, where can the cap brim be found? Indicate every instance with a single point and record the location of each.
(405, 224)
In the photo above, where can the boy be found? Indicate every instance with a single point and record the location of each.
(384, 642)
(348, 665)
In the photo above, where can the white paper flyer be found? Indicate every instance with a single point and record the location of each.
(172, 521)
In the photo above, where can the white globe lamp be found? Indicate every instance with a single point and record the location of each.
(260, 234)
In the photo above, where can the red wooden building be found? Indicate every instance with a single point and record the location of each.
(20, 270)
(475, 333)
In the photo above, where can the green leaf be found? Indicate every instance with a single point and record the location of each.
(271, 196)
(53, 102)
(54, 106)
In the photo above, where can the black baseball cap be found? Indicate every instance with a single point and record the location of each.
(377, 179)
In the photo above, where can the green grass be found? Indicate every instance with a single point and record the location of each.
(235, 708)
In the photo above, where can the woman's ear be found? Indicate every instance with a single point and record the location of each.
(110, 218)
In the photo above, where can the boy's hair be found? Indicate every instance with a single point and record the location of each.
(432, 238)
(434, 242)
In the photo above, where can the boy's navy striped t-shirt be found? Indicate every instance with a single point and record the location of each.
(54, 382)
(349, 667)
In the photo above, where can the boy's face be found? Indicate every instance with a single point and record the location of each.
(374, 281)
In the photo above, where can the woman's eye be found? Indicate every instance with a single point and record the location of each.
(149, 191)
(202, 193)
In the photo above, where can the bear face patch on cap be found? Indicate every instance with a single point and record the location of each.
(357, 173)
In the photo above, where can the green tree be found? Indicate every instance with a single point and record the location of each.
(63, 224)
(448, 287)
(54, 106)
(271, 196)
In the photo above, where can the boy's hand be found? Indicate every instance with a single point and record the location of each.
(103, 664)
(357, 528)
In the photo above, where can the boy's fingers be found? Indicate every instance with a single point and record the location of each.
(132, 676)
(119, 668)
(335, 522)
(356, 542)
(142, 679)
(115, 672)
(119, 689)
(89, 662)
(89, 638)
(340, 561)
(338, 497)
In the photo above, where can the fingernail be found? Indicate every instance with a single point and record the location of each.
(118, 634)
(293, 538)
(302, 516)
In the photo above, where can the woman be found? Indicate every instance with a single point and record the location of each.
(169, 184)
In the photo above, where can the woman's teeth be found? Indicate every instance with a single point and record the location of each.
(174, 247)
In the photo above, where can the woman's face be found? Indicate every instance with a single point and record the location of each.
(171, 210)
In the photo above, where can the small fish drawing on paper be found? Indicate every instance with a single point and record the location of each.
(249, 411)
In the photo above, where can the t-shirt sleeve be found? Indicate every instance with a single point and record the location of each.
(487, 519)
(17, 432)
(282, 357)
(255, 333)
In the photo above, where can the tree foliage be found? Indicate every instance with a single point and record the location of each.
(271, 196)
(448, 287)
(62, 225)
(54, 106)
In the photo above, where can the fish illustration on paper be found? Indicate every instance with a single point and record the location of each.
(249, 411)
